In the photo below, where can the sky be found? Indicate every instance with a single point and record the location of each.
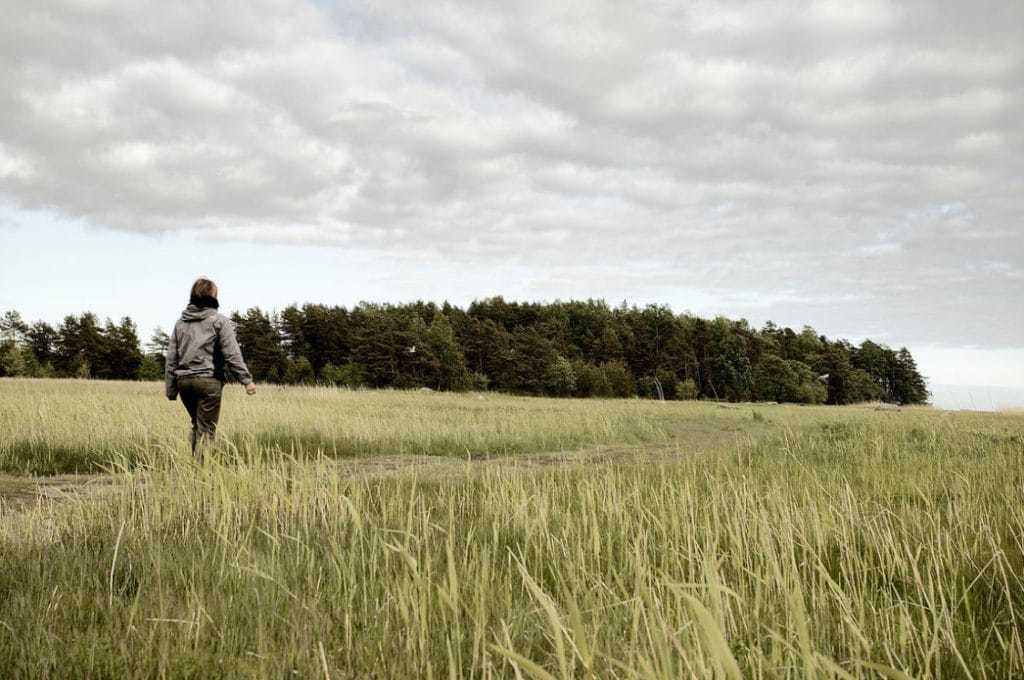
(857, 166)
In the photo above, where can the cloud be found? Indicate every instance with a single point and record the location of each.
(788, 158)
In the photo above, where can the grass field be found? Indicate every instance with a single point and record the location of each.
(392, 534)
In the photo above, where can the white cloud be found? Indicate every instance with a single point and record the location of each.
(14, 166)
(788, 154)
(862, 16)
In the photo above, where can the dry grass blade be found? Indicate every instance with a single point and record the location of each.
(712, 638)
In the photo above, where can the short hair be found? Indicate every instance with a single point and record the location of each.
(203, 287)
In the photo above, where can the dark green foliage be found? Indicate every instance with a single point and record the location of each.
(391, 344)
(726, 360)
(120, 357)
(861, 386)
(908, 384)
(12, 361)
(41, 339)
(486, 345)
(80, 344)
(347, 375)
(261, 342)
(687, 389)
(531, 356)
(150, 368)
(778, 379)
(80, 348)
(620, 380)
(575, 348)
(559, 378)
(591, 381)
(450, 363)
(299, 372)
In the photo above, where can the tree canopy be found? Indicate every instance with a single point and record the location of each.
(574, 348)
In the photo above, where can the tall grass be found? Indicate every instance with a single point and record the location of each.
(846, 545)
(49, 427)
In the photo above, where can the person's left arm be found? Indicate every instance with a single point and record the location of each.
(233, 355)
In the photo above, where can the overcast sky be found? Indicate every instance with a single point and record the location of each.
(858, 166)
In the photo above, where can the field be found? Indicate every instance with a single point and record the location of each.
(342, 534)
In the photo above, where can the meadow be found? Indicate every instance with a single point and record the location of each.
(349, 534)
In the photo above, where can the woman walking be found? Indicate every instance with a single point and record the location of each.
(201, 352)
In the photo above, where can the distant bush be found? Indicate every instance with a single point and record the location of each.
(299, 372)
(560, 379)
(620, 379)
(12, 363)
(150, 369)
(347, 375)
(860, 387)
(777, 379)
(591, 380)
(688, 389)
(479, 381)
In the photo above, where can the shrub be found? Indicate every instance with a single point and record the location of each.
(479, 381)
(687, 389)
(351, 374)
(12, 363)
(860, 386)
(591, 380)
(669, 383)
(620, 379)
(299, 372)
(559, 378)
(150, 369)
(780, 380)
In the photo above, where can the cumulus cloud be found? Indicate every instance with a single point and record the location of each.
(858, 163)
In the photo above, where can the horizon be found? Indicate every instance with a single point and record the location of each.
(1001, 369)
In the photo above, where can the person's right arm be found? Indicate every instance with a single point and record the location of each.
(171, 363)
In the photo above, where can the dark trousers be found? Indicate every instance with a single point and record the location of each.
(201, 397)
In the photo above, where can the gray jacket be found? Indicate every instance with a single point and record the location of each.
(203, 344)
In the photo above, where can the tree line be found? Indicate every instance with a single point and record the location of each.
(575, 348)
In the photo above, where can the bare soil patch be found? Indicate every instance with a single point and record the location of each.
(17, 492)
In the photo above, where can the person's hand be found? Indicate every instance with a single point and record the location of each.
(250, 389)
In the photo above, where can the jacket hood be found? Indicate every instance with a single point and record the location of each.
(197, 313)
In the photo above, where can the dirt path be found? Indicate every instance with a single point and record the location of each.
(446, 466)
(18, 492)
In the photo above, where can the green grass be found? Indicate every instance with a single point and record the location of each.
(811, 542)
(65, 426)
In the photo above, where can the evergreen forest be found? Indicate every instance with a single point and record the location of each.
(562, 349)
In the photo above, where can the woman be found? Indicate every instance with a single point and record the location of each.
(201, 347)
